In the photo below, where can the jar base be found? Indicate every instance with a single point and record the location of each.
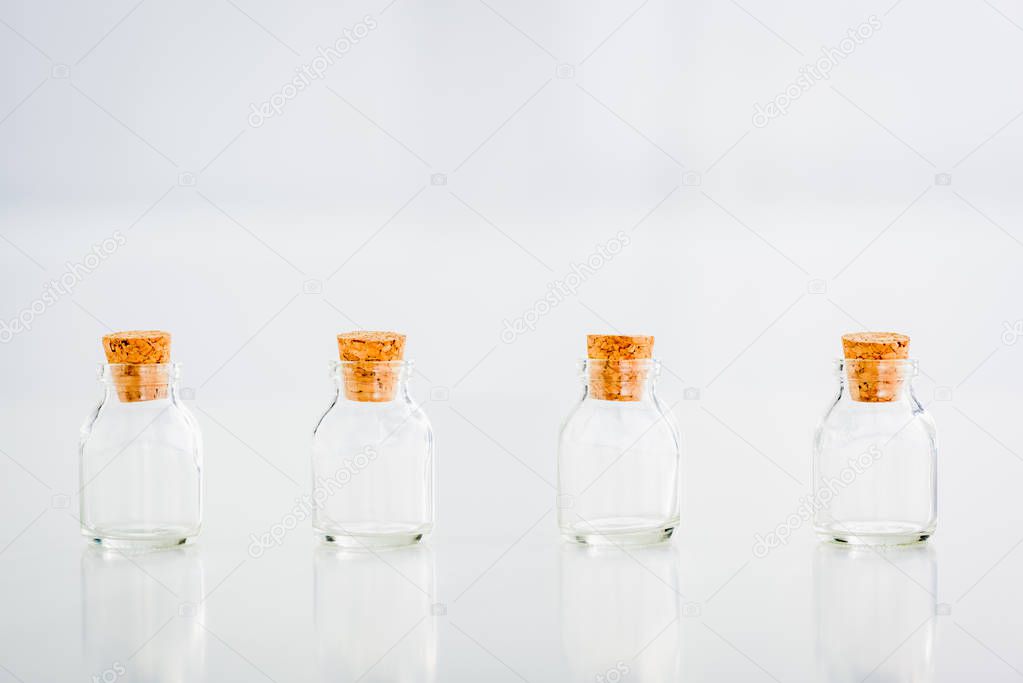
(138, 543)
(618, 534)
(874, 534)
(357, 541)
(121, 544)
(132, 538)
(374, 535)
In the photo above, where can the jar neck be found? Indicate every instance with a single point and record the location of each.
(372, 381)
(139, 383)
(876, 381)
(627, 381)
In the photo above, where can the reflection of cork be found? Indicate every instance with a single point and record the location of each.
(138, 358)
(368, 373)
(871, 380)
(612, 376)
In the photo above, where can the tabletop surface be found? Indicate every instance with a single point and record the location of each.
(495, 594)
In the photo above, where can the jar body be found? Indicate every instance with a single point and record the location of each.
(618, 470)
(373, 471)
(141, 468)
(875, 468)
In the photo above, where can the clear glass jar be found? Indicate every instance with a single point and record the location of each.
(618, 458)
(141, 482)
(875, 458)
(373, 459)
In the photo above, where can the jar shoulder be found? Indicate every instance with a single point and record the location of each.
(165, 421)
(844, 410)
(904, 419)
(394, 417)
(619, 421)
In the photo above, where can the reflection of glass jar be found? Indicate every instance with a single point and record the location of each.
(141, 460)
(149, 604)
(618, 458)
(374, 614)
(875, 458)
(373, 459)
(874, 612)
(620, 613)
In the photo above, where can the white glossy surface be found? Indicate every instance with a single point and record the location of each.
(513, 601)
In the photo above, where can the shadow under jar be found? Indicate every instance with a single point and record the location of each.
(373, 459)
(875, 458)
(140, 460)
(618, 458)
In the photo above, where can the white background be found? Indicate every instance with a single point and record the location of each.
(553, 126)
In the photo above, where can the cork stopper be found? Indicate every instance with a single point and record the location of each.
(367, 369)
(138, 358)
(612, 377)
(870, 379)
